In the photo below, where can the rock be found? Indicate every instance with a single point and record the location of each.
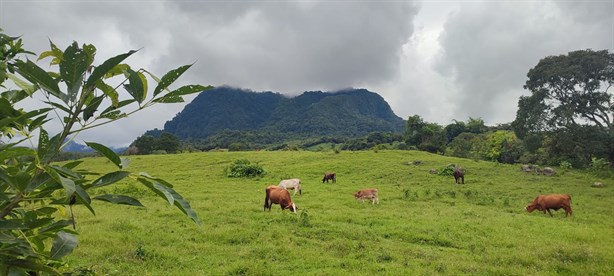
(433, 171)
(547, 171)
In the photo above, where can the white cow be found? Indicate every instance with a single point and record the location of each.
(291, 184)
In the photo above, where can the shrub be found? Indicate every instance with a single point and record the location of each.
(244, 168)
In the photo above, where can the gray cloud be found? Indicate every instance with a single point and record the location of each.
(288, 47)
(442, 60)
(488, 47)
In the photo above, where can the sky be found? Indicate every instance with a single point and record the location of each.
(442, 60)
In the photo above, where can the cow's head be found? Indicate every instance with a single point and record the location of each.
(530, 208)
(294, 208)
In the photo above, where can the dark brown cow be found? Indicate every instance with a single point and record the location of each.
(553, 201)
(458, 174)
(367, 194)
(330, 176)
(279, 196)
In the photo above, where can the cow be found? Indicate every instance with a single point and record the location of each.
(330, 176)
(552, 201)
(458, 174)
(279, 196)
(291, 184)
(367, 194)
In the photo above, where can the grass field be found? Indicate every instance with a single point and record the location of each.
(425, 224)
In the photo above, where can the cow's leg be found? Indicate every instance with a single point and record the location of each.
(463, 179)
(549, 212)
(567, 211)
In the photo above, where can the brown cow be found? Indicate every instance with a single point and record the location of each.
(553, 201)
(458, 174)
(330, 176)
(367, 194)
(279, 196)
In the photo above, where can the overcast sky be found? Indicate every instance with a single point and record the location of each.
(442, 60)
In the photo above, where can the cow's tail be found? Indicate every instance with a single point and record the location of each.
(569, 198)
(266, 200)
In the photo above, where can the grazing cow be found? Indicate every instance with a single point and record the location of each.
(291, 184)
(330, 176)
(458, 174)
(367, 194)
(553, 201)
(279, 196)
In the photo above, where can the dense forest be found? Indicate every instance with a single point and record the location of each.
(567, 121)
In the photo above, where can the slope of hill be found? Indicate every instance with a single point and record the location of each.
(348, 113)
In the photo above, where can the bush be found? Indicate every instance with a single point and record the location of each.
(244, 168)
(447, 170)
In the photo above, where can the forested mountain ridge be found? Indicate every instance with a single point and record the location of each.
(348, 113)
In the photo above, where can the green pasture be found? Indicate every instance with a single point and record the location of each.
(425, 224)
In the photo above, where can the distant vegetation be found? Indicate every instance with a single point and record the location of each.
(567, 120)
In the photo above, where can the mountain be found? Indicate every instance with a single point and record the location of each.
(75, 147)
(347, 113)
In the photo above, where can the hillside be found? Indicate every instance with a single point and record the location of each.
(347, 113)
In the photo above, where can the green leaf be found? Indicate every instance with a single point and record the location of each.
(120, 199)
(55, 52)
(38, 122)
(109, 178)
(26, 87)
(84, 198)
(171, 99)
(108, 153)
(14, 152)
(73, 67)
(37, 75)
(68, 184)
(119, 105)
(54, 144)
(135, 86)
(158, 188)
(109, 91)
(117, 70)
(56, 226)
(100, 71)
(63, 245)
(29, 265)
(170, 77)
(21, 180)
(45, 211)
(172, 196)
(59, 106)
(73, 164)
(175, 95)
(92, 107)
(43, 143)
(13, 224)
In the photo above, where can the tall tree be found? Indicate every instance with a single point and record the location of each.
(569, 92)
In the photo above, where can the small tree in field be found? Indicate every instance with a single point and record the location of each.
(34, 191)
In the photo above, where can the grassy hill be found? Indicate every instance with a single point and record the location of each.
(425, 223)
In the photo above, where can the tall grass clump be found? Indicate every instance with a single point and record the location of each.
(244, 168)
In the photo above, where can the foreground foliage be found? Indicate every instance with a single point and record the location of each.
(36, 228)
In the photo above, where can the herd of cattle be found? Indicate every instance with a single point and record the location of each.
(279, 195)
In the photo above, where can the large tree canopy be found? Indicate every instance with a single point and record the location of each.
(571, 94)
(568, 90)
